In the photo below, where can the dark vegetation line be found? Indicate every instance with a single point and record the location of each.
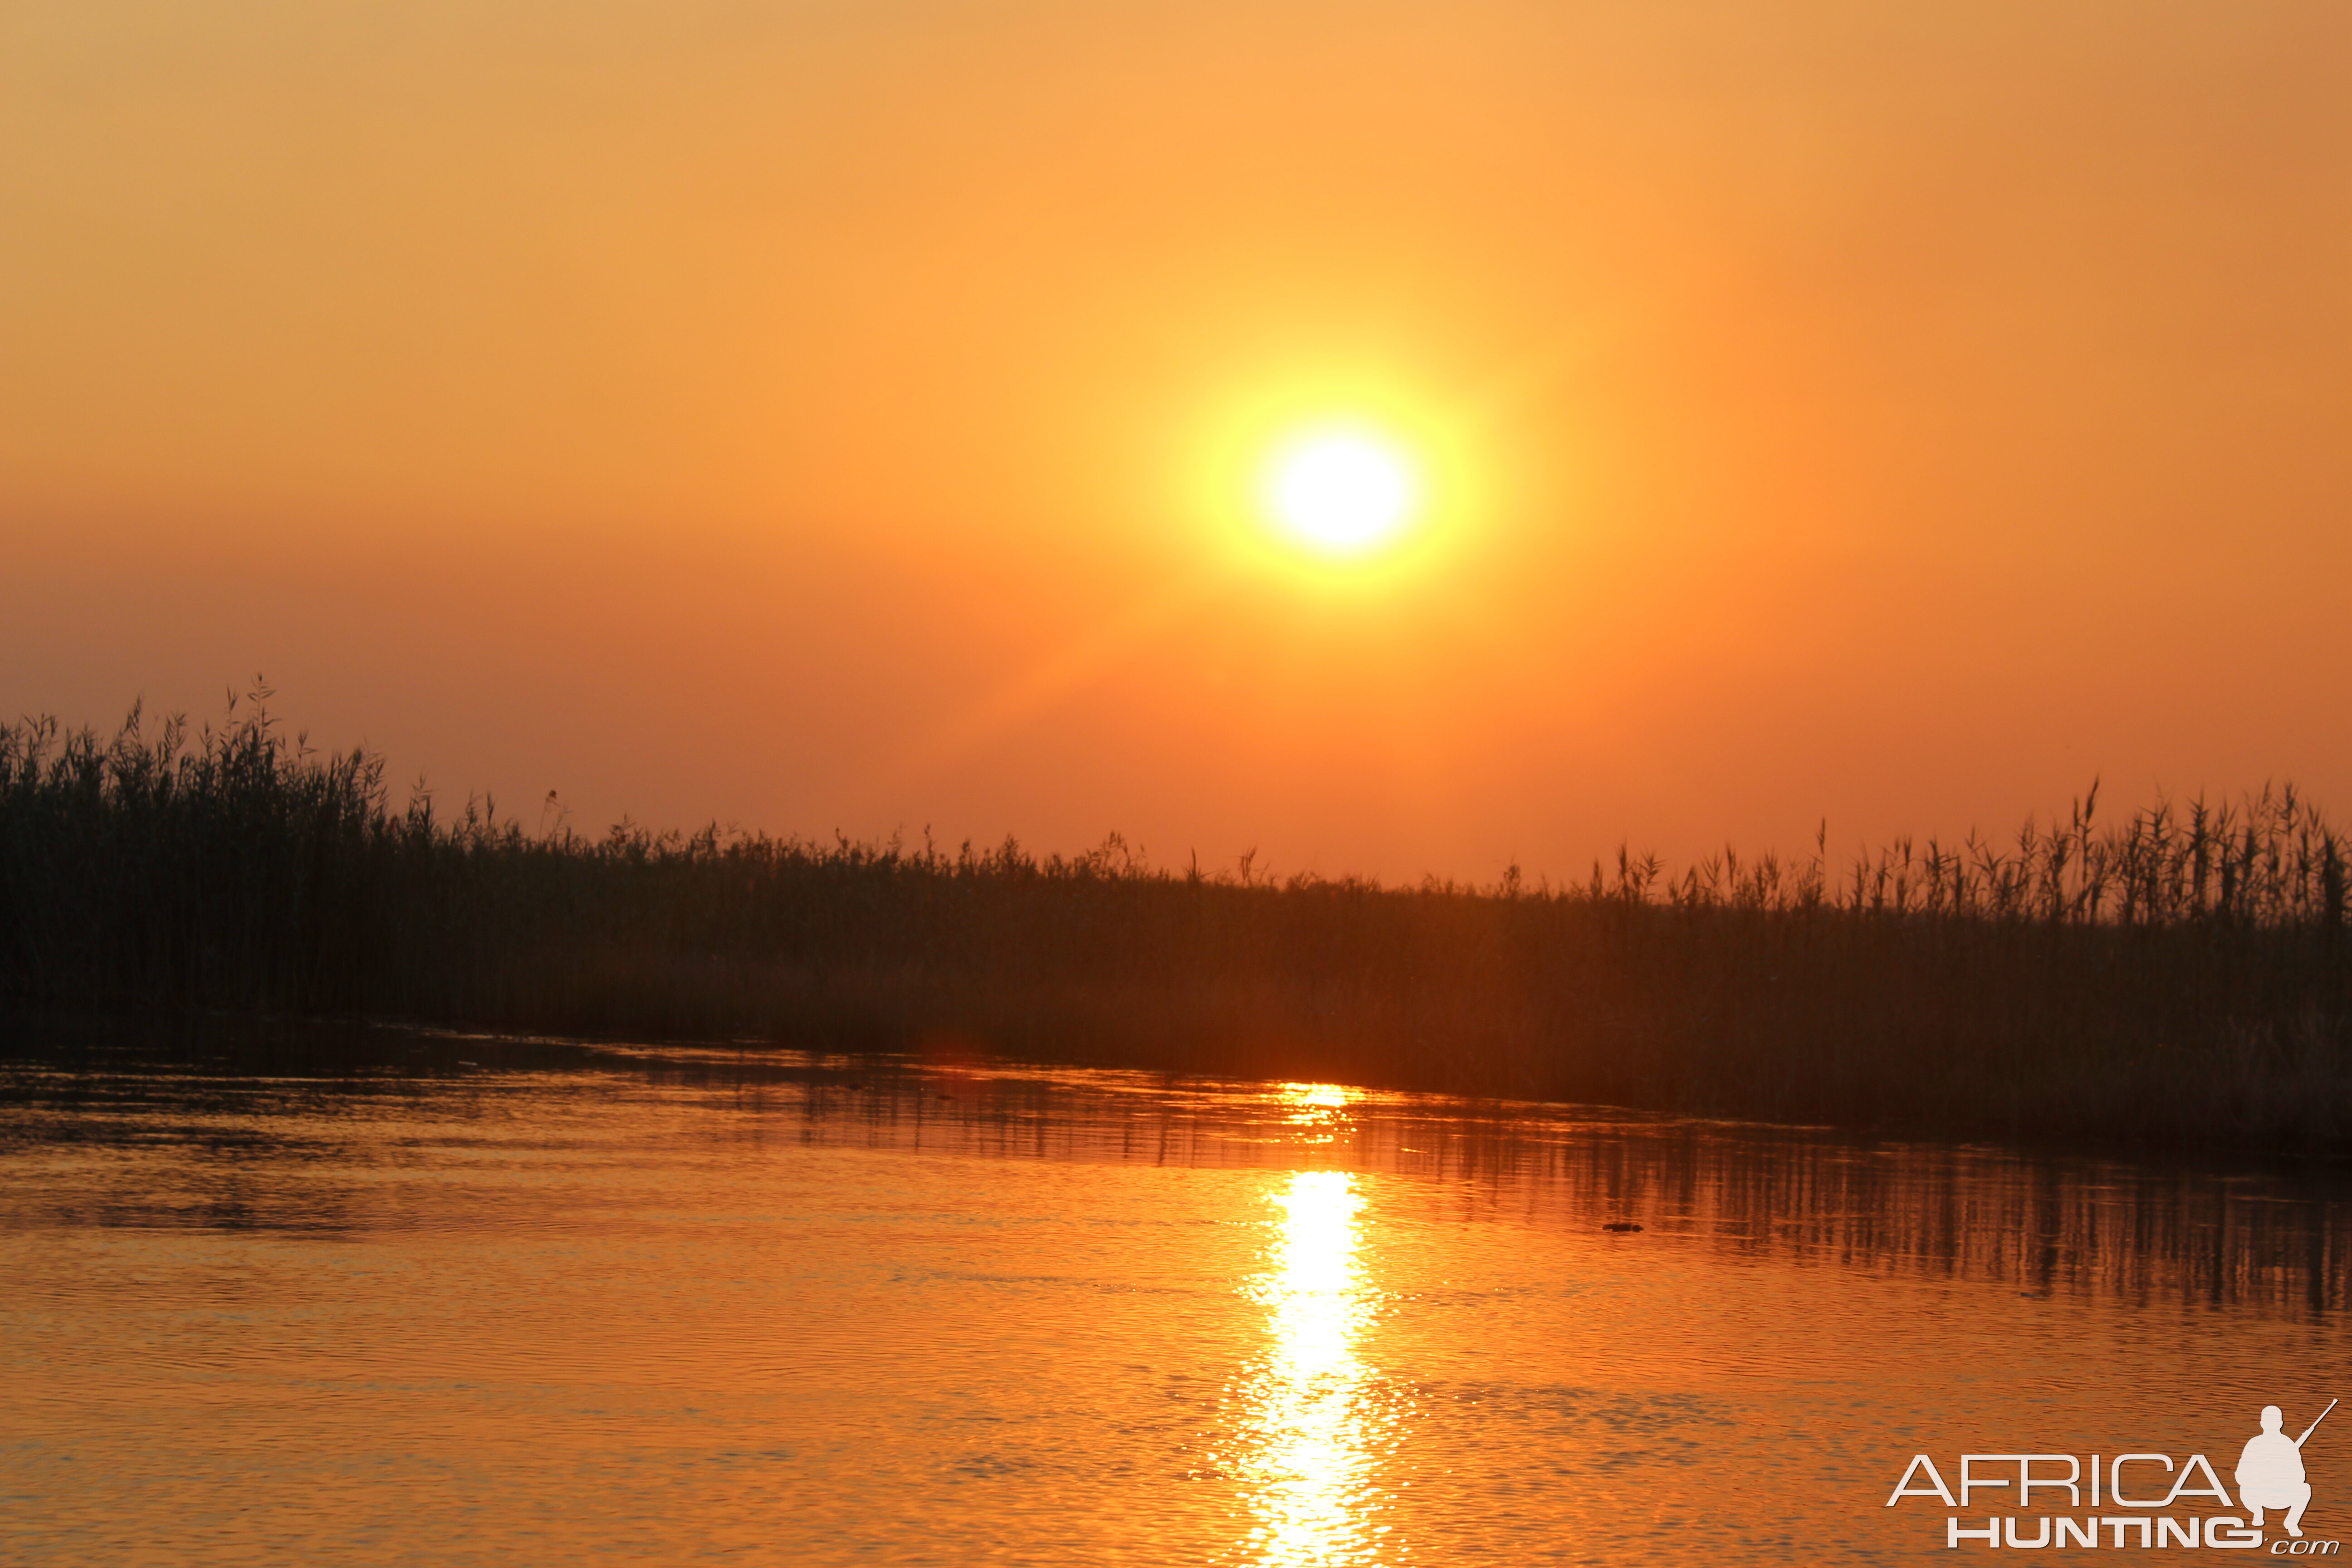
(2180, 976)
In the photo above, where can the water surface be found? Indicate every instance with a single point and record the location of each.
(408, 1299)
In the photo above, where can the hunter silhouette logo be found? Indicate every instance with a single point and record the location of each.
(2270, 1472)
(2270, 1477)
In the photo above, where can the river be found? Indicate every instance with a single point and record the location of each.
(395, 1298)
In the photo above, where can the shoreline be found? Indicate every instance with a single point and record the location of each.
(2182, 978)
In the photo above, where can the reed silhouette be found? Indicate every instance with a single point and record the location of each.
(2178, 975)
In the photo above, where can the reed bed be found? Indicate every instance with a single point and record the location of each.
(2178, 975)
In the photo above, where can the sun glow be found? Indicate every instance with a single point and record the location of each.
(1340, 485)
(1342, 491)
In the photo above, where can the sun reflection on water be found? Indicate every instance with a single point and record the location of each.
(1315, 1112)
(1316, 1419)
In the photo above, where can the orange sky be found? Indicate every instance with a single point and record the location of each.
(807, 414)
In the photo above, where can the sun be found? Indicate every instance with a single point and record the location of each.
(1342, 492)
(1347, 485)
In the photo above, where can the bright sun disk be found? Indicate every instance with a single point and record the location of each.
(1341, 492)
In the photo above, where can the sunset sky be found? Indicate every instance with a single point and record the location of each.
(823, 415)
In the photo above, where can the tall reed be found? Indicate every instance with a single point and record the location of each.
(2179, 973)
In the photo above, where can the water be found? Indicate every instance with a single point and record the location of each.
(403, 1299)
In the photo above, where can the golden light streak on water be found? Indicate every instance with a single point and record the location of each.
(1316, 1421)
(1307, 1464)
(1316, 1111)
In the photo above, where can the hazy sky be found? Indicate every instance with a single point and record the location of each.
(816, 415)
